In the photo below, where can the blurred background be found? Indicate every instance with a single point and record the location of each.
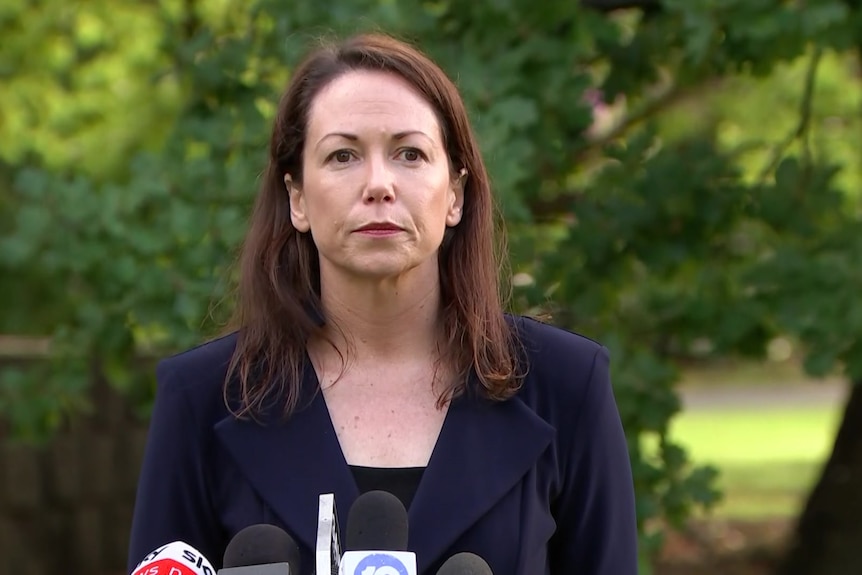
(680, 179)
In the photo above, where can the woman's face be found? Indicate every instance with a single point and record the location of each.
(377, 191)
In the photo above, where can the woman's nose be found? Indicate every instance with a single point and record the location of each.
(380, 181)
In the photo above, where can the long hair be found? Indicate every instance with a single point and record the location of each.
(279, 307)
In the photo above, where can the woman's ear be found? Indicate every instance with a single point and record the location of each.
(298, 217)
(456, 199)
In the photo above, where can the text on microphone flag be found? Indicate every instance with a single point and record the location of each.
(165, 567)
(176, 558)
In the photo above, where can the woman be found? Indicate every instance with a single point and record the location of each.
(372, 352)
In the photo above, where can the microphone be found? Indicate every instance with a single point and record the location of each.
(176, 558)
(327, 555)
(376, 539)
(465, 564)
(261, 550)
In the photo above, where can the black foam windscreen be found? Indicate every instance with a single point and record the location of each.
(262, 544)
(465, 564)
(377, 521)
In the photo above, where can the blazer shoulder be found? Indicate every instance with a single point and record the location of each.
(554, 346)
(203, 366)
(561, 366)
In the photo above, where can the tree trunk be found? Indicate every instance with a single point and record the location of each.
(828, 537)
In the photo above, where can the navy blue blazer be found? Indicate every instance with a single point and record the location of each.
(538, 484)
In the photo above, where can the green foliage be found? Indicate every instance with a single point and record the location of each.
(130, 162)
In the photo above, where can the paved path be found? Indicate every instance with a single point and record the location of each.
(827, 393)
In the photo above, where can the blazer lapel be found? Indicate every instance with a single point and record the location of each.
(484, 449)
(290, 463)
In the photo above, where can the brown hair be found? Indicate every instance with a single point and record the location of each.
(278, 306)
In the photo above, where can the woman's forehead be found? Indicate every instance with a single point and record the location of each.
(367, 103)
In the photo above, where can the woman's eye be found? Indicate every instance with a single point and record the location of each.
(342, 156)
(412, 155)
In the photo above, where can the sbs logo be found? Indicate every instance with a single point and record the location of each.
(380, 564)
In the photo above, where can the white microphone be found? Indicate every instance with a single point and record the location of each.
(176, 558)
(377, 537)
(327, 553)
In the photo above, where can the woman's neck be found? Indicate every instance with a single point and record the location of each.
(384, 320)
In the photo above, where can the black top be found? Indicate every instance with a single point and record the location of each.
(401, 482)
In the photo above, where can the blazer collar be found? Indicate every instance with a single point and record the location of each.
(483, 450)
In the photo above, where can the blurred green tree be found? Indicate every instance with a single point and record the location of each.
(146, 128)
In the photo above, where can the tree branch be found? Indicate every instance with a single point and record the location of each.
(669, 95)
(546, 209)
(800, 132)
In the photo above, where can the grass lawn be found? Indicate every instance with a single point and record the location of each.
(768, 458)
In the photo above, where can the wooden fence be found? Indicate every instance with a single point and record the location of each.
(65, 507)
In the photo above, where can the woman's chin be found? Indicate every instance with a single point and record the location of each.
(391, 270)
